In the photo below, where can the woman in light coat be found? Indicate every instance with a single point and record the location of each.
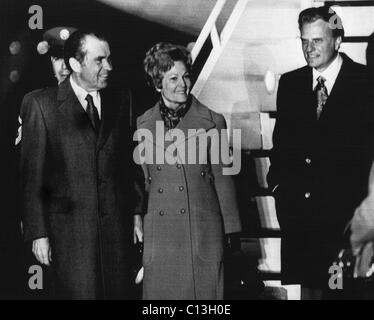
(191, 204)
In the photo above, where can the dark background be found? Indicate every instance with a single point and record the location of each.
(129, 38)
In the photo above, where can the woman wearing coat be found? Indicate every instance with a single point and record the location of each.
(191, 205)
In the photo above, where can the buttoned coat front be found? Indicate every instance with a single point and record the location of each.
(77, 191)
(191, 206)
(320, 168)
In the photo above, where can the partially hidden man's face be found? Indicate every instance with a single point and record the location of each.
(60, 70)
(96, 66)
(319, 45)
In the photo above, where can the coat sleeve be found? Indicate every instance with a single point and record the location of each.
(140, 191)
(273, 176)
(137, 191)
(32, 164)
(141, 194)
(224, 184)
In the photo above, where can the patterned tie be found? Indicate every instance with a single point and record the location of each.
(92, 113)
(322, 95)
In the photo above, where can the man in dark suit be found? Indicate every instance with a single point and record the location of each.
(321, 152)
(52, 46)
(77, 191)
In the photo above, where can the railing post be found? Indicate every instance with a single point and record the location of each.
(210, 23)
(214, 36)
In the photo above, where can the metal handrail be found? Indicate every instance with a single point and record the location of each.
(209, 28)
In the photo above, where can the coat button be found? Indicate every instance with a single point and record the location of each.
(149, 179)
(161, 213)
(181, 188)
(307, 195)
(158, 168)
(308, 161)
(183, 211)
(160, 190)
(179, 166)
(202, 173)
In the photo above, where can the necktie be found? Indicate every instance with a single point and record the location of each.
(92, 113)
(322, 95)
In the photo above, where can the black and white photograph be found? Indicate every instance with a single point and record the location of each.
(186, 151)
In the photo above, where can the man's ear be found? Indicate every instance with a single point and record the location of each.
(75, 65)
(338, 42)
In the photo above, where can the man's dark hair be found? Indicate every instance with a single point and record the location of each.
(326, 14)
(74, 46)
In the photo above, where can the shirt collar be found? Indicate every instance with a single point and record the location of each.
(82, 94)
(330, 74)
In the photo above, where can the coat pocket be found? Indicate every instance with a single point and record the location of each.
(209, 234)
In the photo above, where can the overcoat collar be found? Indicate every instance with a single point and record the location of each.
(71, 107)
(197, 117)
(338, 93)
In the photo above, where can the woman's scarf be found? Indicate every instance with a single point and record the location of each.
(172, 117)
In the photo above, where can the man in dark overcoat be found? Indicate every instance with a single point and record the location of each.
(77, 191)
(321, 155)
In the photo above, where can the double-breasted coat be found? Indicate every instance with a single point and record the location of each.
(320, 168)
(76, 190)
(191, 205)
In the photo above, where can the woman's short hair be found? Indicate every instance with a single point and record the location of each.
(161, 58)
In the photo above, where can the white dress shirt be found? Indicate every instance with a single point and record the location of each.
(82, 94)
(330, 74)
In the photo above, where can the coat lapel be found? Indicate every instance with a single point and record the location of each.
(338, 94)
(108, 116)
(149, 120)
(152, 121)
(197, 117)
(309, 100)
(336, 98)
(71, 108)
